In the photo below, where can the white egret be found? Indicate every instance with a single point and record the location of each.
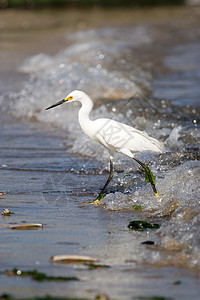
(115, 136)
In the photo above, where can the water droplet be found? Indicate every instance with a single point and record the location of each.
(19, 272)
(61, 66)
(101, 56)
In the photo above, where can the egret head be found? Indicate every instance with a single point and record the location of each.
(73, 96)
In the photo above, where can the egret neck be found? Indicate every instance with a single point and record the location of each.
(83, 116)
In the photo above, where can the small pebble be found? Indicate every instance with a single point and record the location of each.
(148, 243)
(31, 226)
(6, 212)
(73, 259)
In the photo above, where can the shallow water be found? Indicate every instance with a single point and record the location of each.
(141, 74)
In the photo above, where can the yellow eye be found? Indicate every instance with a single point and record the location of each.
(69, 98)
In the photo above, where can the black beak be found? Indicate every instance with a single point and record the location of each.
(58, 103)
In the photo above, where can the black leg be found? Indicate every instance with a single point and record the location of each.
(148, 173)
(110, 176)
(108, 180)
(101, 194)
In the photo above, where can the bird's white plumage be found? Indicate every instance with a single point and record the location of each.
(115, 136)
(119, 136)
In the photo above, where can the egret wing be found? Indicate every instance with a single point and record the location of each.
(115, 136)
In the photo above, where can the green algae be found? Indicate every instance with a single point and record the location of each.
(38, 276)
(142, 225)
(136, 207)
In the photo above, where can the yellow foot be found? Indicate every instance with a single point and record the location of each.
(157, 195)
(96, 202)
